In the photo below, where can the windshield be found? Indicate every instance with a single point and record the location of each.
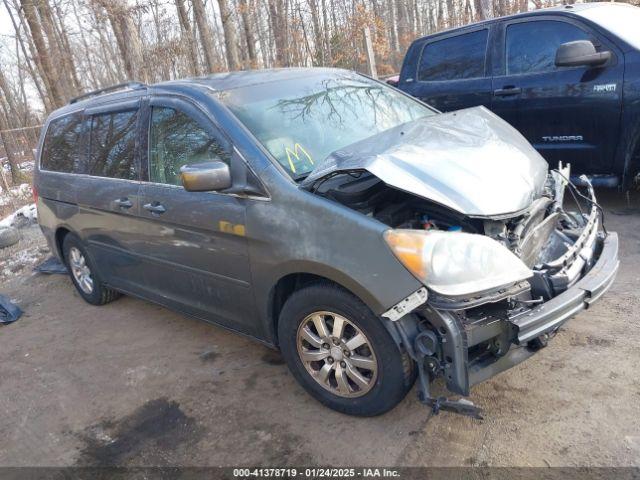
(621, 20)
(303, 120)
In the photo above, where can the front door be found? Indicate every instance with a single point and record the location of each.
(569, 114)
(451, 72)
(193, 243)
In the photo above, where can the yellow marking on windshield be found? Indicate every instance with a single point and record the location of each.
(297, 149)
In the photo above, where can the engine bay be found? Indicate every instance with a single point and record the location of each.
(552, 242)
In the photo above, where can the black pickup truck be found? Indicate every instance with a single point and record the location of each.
(568, 78)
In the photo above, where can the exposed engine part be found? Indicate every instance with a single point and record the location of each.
(366, 194)
(556, 245)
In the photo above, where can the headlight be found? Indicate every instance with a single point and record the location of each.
(454, 263)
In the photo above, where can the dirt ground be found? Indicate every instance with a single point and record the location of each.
(132, 383)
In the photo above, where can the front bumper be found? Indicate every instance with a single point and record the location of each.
(550, 315)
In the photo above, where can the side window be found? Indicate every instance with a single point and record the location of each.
(176, 140)
(454, 58)
(532, 46)
(61, 152)
(112, 145)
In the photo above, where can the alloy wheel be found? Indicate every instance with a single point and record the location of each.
(337, 354)
(80, 270)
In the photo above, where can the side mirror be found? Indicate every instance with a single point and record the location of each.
(206, 177)
(581, 53)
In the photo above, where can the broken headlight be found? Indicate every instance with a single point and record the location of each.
(456, 264)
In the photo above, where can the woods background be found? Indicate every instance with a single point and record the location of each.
(52, 50)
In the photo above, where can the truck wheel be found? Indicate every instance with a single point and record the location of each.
(83, 274)
(340, 352)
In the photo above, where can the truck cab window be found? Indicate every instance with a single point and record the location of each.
(177, 140)
(532, 46)
(454, 58)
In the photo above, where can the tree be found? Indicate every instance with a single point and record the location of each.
(187, 37)
(206, 37)
(230, 35)
(43, 55)
(127, 37)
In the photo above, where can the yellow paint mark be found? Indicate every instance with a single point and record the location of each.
(297, 148)
(233, 229)
(239, 230)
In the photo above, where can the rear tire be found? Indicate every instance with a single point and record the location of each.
(83, 273)
(341, 353)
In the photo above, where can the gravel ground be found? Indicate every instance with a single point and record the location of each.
(132, 383)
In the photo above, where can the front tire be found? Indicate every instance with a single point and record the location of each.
(340, 352)
(83, 273)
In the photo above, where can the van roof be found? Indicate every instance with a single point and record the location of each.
(213, 82)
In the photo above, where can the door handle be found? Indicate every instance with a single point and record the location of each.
(123, 203)
(506, 91)
(155, 208)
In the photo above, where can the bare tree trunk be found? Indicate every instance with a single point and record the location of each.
(249, 38)
(46, 21)
(206, 37)
(327, 34)
(395, 46)
(61, 32)
(317, 32)
(9, 148)
(483, 9)
(8, 96)
(403, 24)
(126, 37)
(43, 58)
(187, 37)
(34, 75)
(85, 45)
(230, 35)
(264, 40)
(278, 19)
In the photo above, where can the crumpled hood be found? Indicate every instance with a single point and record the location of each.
(470, 160)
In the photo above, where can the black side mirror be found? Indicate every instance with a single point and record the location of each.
(581, 53)
(206, 177)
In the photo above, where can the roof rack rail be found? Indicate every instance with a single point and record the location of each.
(112, 88)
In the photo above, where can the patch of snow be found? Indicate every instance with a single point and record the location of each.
(17, 262)
(19, 193)
(27, 213)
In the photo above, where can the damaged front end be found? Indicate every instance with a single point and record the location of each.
(496, 287)
(467, 339)
(475, 215)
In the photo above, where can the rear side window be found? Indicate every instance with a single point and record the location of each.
(454, 58)
(61, 149)
(532, 46)
(176, 140)
(112, 145)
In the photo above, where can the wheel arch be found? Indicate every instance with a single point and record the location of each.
(290, 282)
(59, 236)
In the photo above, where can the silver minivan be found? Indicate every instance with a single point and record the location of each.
(369, 237)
